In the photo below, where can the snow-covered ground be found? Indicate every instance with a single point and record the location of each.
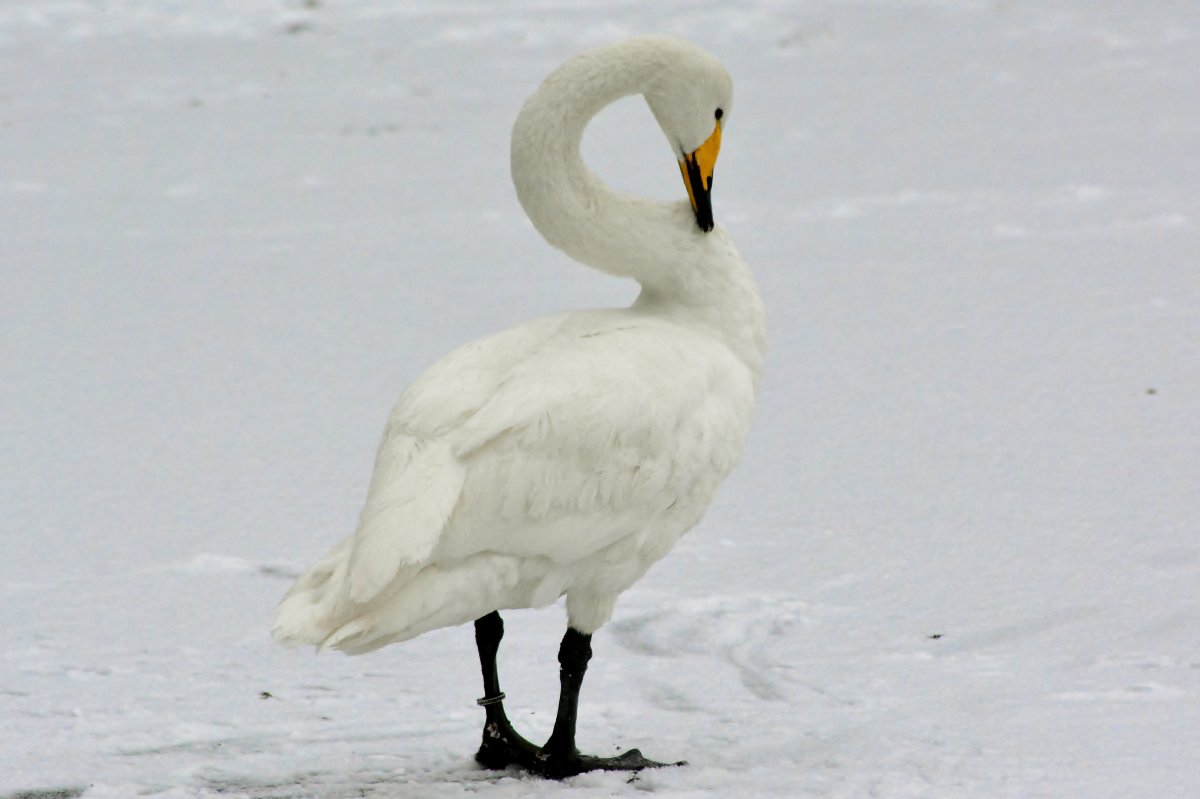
(961, 557)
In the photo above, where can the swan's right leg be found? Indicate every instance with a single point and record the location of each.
(559, 757)
(501, 746)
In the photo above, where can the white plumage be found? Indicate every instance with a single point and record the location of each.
(568, 454)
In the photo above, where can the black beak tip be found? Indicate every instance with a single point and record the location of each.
(701, 193)
(704, 215)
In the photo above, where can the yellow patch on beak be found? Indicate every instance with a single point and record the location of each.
(697, 169)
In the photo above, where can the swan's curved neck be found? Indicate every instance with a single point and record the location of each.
(685, 273)
(573, 209)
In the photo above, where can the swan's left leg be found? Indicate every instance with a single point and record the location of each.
(559, 758)
(501, 746)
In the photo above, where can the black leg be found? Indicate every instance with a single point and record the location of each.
(501, 746)
(488, 632)
(559, 757)
(573, 657)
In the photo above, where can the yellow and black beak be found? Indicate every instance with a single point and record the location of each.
(697, 168)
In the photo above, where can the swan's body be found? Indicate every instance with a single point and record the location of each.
(566, 455)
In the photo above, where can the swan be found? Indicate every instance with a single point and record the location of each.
(564, 456)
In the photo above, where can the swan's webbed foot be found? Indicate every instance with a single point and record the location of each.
(559, 766)
(503, 747)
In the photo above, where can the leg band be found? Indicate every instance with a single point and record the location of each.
(484, 701)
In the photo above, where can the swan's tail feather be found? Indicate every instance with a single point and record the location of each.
(432, 598)
(318, 603)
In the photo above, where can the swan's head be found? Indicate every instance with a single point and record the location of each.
(691, 98)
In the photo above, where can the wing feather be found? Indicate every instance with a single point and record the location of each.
(413, 491)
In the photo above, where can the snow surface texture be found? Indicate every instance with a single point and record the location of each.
(960, 559)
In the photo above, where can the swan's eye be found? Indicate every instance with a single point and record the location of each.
(719, 113)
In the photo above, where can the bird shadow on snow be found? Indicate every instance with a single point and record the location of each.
(445, 780)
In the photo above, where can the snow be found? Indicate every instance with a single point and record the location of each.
(960, 558)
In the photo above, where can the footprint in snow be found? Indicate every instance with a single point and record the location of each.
(744, 631)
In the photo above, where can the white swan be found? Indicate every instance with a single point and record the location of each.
(566, 455)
